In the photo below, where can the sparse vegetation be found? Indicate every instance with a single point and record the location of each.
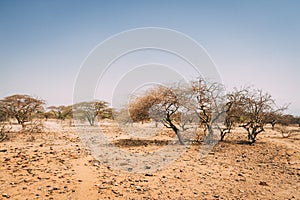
(249, 108)
(22, 107)
(91, 110)
(177, 107)
(59, 112)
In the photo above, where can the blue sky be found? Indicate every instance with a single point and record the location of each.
(43, 43)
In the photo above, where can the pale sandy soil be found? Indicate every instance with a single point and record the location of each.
(56, 165)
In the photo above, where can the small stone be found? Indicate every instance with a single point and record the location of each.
(138, 188)
(148, 174)
(5, 195)
(96, 164)
(263, 183)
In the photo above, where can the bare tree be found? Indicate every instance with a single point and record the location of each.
(168, 107)
(288, 119)
(233, 109)
(256, 107)
(208, 103)
(160, 104)
(273, 118)
(22, 107)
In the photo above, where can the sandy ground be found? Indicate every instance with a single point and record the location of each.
(56, 165)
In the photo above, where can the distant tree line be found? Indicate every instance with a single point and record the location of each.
(176, 106)
(27, 110)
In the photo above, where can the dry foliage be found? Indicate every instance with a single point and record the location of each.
(4, 129)
(22, 107)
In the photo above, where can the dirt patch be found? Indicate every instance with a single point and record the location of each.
(55, 165)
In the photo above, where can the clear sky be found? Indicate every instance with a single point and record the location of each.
(43, 43)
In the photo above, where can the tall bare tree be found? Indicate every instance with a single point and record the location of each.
(208, 103)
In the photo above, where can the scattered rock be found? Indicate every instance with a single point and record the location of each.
(147, 174)
(263, 183)
(138, 188)
(148, 167)
(5, 195)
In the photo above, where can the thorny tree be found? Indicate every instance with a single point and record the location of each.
(208, 103)
(160, 104)
(22, 107)
(3, 127)
(256, 107)
(167, 108)
(90, 110)
(61, 112)
(233, 108)
(139, 108)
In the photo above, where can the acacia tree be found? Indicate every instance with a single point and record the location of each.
(256, 107)
(3, 118)
(177, 106)
(22, 107)
(233, 110)
(208, 103)
(167, 106)
(61, 112)
(139, 108)
(160, 104)
(3, 113)
(90, 110)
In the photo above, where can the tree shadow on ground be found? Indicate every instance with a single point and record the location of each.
(144, 142)
(242, 142)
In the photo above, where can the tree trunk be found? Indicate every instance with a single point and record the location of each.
(251, 137)
(179, 136)
(273, 124)
(23, 125)
(176, 130)
(222, 136)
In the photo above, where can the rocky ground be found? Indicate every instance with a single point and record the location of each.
(56, 165)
